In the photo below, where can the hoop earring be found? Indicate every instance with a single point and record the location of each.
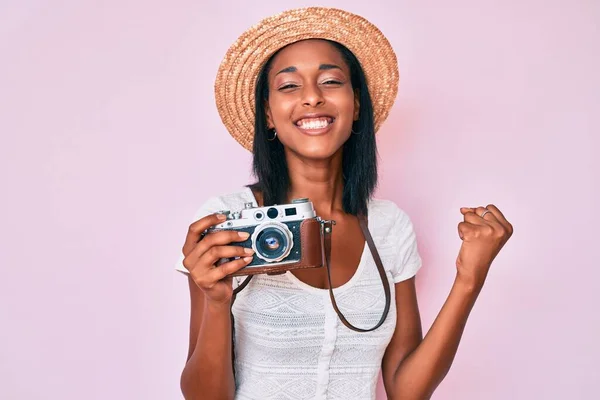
(354, 133)
(274, 136)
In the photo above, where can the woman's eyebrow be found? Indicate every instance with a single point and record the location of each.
(325, 67)
(322, 67)
(288, 69)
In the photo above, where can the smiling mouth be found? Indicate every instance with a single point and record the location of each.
(314, 123)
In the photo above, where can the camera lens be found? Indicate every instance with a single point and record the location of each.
(272, 241)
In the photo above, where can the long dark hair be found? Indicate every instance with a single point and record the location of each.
(359, 154)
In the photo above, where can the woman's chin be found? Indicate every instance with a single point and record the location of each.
(316, 152)
(315, 148)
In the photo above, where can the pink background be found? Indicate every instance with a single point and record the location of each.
(111, 140)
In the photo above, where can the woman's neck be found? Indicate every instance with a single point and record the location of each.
(321, 181)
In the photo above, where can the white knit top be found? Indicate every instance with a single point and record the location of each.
(289, 342)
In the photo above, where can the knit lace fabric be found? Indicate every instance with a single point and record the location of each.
(289, 342)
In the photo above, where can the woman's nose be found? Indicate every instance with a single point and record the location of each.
(312, 96)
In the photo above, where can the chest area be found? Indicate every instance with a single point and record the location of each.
(276, 319)
(282, 302)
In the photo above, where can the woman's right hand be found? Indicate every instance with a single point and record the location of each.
(201, 257)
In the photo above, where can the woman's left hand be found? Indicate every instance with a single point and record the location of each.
(482, 240)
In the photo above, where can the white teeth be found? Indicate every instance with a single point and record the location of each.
(313, 123)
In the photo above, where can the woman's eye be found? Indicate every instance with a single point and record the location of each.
(332, 82)
(288, 86)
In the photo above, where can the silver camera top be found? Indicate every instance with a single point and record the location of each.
(298, 209)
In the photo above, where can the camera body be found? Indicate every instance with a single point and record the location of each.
(283, 237)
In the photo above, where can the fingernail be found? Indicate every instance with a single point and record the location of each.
(222, 217)
(244, 235)
(248, 250)
(247, 259)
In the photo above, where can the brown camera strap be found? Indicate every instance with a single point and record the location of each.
(326, 235)
(362, 219)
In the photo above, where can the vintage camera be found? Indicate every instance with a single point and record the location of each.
(283, 237)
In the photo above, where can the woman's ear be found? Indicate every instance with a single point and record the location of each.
(356, 104)
(269, 116)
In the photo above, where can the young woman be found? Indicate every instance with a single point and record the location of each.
(306, 90)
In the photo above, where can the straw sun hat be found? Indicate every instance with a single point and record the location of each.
(238, 72)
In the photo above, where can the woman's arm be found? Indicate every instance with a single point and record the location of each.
(208, 373)
(413, 368)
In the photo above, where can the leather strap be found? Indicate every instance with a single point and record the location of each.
(362, 219)
(235, 292)
(242, 285)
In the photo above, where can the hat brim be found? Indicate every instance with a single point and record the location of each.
(238, 72)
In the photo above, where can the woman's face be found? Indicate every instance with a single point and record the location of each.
(311, 101)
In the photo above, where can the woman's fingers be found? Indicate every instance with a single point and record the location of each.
(211, 240)
(483, 222)
(466, 230)
(473, 216)
(203, 271)
(203, 249)
(224, 237)
(493, 216)
(216, 253)
(196, 230)
(228, 268)
(500, 218)
(478, 215)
